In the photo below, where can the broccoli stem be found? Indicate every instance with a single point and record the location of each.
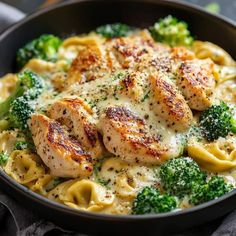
(4, 125)
(233, 126)
(5, 105)
(3, 158)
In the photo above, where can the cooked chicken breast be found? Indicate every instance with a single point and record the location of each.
(169, 103)
(89, 64)
(132, 85)
(128, 52)
(181, 54)
(197, 82)
(77, 116)
(62, 154)
(127, 136)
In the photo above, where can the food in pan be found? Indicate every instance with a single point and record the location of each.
(121, 120)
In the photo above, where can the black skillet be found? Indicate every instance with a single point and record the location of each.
(82, 16)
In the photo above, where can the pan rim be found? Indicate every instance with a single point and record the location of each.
(175, 3)
(101, 216)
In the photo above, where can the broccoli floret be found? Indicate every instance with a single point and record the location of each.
(4, 124)
(113, 30)
(3, 158)
(45, 47)
(20, 145)
(149, 200)
(5, 105)
(20, 111)
(171, 31)
(28, 84)
(21, 107)
(217, 121)
(31, 81)
(215, 188)
(179, 175)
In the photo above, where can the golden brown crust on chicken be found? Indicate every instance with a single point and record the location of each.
(169, 103)
(61, 153)
(128, 52)
(181, 53)
(196, 81)
(77, 116)
(127, 136)
(132, 85)
(89, 64)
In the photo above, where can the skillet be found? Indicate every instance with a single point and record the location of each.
(80, 17)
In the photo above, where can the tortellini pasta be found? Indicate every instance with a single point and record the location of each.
(46, 68)
(83, 194)
(24, 166)
(126, 179)
(7, 141)
(224, 73)
(43, 184)
(226, 92)
(204, 50)
(71, 46)
(7, 85)
(216, 156)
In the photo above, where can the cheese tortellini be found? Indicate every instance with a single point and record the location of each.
(24, 166)
(216, 156)
(83, 194)
(7, 85)
(7, 141)
(126, 179)
(204, 50)
(43, 184)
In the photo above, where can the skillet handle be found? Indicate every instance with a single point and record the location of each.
(8, 16)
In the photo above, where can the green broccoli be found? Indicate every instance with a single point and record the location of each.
(20, 88)
(113, 30)
(31, 81)
(180, 175)
(28, 84)
(20, 111)
(149, 200)
(171, 31)
(20, 145)
(3, 158)
(217, 121)
(215, 188)
(18, 108)
(45, 47)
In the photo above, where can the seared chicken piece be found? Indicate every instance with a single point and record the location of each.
(77, 116)
(129, 52)
(181, 53)
(62, 154)
(132, 85)
(169, 103)
(197, 82)
(89, 64)
(168, 60)
(127, 136)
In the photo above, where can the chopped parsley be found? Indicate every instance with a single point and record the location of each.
(146, 96)
(3, 158)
